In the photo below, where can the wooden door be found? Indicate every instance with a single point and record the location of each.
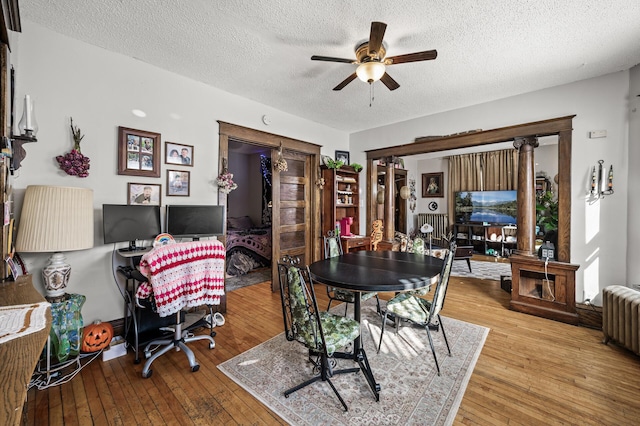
(292, 213)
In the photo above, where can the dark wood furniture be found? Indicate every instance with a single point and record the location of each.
(20, 355)
(487, 239)
(464, 253)
(356, 243)
(340, 198)
(546, 293)
(367, 271)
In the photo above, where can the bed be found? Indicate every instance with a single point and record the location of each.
(248, 246)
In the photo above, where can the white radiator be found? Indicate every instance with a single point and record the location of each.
(440, 223)
(621, 316)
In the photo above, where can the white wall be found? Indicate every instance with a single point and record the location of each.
(633, 224)
(99, 89)
(598, 230)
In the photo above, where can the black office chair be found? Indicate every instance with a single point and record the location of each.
(182, 275)
(321, 332)
(332, 248)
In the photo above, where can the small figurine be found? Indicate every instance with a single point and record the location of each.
(376, 234)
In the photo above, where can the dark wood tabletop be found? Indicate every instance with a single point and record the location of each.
(367, 271)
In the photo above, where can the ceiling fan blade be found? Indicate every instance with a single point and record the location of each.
(330, 59)
(389, 82)
(345, 82)
(376, 36)
(412, 57)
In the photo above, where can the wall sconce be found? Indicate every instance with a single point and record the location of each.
(28, 126)
(600, 188)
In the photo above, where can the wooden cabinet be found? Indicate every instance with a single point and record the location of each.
(340, 198)
(546, 290)
(491, 239)
(356, 243)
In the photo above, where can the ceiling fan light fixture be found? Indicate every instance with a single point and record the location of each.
(370, 72)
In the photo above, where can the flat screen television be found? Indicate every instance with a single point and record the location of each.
(195, 221)
(494, 207)
(130, 223)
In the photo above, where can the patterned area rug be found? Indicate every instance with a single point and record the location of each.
(412, 393)
(255, 277)
(481, 270)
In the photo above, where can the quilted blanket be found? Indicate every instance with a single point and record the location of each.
(183, 275)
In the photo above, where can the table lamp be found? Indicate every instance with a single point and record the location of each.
(426, 228)
(55, 219)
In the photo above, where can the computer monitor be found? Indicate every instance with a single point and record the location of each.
(195, 221)
(130, 223)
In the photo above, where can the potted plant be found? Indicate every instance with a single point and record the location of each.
(546, 211)
(334, 164)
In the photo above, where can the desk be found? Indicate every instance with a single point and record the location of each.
(366, 271)
(20, 355)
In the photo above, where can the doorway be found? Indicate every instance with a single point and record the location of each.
(293, 193)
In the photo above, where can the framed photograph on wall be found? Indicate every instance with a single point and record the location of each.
(343, 156)
(432, 185)
(144, 194)
(178, 183)
(138, 152)
(176, 153)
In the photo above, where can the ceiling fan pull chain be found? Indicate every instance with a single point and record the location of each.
(370, 94)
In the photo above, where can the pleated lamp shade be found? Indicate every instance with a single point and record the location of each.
(56, 219)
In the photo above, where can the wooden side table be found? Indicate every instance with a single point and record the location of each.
(355, 243)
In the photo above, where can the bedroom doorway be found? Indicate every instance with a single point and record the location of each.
(249, 236)
(292, 192)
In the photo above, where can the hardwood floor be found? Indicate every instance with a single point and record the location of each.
(531, 371)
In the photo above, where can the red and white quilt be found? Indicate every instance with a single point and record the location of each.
(183, 275)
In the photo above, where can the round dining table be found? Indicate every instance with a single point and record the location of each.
(375, 271)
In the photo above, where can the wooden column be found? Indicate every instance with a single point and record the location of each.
(389, 186)
(526, 196)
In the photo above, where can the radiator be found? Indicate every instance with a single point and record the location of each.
(440, 223)
(621, 316)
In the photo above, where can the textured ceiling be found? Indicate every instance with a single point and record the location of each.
(261, 49)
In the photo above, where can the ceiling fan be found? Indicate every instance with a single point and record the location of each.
(371, 61)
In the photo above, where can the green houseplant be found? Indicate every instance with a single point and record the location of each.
(546, 211)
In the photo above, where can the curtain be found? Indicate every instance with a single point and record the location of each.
(481, 171)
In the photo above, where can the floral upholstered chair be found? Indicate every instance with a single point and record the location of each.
(423, 312)
(333, 248)
(321, 332)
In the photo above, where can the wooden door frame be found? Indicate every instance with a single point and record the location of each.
(561, 126)
(259, 138)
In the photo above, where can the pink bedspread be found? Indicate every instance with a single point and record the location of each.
(183, 275)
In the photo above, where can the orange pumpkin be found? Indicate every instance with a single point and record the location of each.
(96, 336)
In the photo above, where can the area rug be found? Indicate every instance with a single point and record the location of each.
(481, 270)
(411, 393)
(256, 277)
